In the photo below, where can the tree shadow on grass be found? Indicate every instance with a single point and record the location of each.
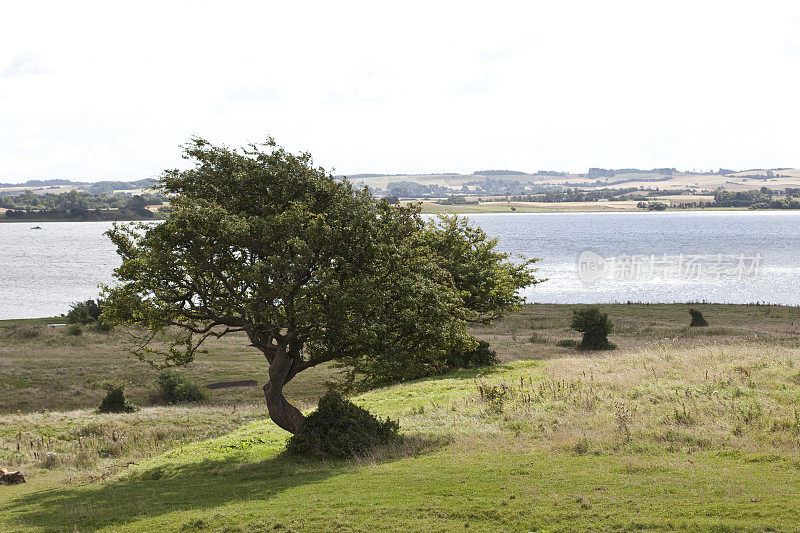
(197, 486)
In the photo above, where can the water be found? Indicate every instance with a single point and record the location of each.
(42, 271)
(770, 241)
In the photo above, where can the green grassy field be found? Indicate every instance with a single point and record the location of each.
(677, 429)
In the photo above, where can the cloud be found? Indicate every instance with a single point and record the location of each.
(250, 94)
(477, 85)
(500, 53)
(348, 97)
(23, 64)
(792, 48)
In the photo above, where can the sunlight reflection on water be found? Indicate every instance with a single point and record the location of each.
(43, 271)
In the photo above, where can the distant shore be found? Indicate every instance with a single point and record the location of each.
(433, 208)
(90, 218)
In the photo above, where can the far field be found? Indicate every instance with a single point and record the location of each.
(614, 206)
(679, 180)
(678, 429)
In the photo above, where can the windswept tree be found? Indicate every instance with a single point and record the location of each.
(312, 270)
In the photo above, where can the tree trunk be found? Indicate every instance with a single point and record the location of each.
(284, 414)
(282, 368)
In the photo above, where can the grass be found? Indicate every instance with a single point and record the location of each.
(554, 456)
(676, 429)
(75, 446)
(43, 367)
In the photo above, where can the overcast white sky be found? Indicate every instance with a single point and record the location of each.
(92, 90)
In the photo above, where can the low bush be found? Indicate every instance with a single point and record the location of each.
(114, 401)
(480, 356)
(74, 329)
(697, 319)
(339, 428)
(595, 327)
(87, 312)
(84, 312)
(174, 387)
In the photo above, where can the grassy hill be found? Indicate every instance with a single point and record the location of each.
(683, 429)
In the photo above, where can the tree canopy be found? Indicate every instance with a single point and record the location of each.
(312, 270)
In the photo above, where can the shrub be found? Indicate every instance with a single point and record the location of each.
(87, 312)
(84, 312)
(480, 356)
(595, 327)
(74, 329)
(339, 428)
(697, 319)
(174, 387)
(114, 401)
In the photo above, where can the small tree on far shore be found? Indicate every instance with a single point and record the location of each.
(595, 327)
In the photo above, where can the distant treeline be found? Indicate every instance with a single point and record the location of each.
(91, 215)
(499, 173)
(572, 195)
(611, 172)
(96, 187)
(762, 199)
(79, 205)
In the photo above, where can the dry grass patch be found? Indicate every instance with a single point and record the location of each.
(83, 444)
(739, 399)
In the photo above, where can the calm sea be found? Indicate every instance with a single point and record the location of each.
(733, 257)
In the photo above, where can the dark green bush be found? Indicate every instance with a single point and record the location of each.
(480, 356)
(84, 312)
(114, 401)
(339, 428)
(74, 329)
(697, 319)
(595, 327)
(174, 387)
(87, 312)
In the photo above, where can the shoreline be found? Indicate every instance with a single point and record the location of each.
(59, 320)
(7, 220)
(431, 208)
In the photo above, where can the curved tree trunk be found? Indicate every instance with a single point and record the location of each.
(283, 367)
(284, 414)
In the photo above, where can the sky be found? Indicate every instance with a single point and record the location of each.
(112, 90)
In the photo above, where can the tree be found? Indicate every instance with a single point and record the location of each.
(595, 327)
(312, 270)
